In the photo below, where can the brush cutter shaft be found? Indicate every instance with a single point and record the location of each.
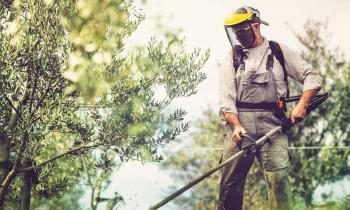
(258, 143)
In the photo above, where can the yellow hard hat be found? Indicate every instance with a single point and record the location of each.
(243, 15)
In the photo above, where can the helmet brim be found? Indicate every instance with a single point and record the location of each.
(235, 19)
(263, 22)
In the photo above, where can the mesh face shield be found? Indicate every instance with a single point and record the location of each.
(231, 36)
(240, 35)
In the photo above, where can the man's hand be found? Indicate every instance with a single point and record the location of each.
(237, 131)
(299, 111)
(233, 120)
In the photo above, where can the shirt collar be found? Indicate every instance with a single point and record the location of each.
(264, 45)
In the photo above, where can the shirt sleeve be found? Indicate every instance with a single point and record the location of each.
(300, 70)
(227, 90)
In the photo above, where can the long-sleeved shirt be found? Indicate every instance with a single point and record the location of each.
(256, 60)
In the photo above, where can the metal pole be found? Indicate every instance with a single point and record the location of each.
(259, 142)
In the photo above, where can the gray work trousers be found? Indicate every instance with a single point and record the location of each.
(273, 157)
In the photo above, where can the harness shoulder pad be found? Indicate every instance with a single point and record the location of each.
(276, 50)
(237, 54)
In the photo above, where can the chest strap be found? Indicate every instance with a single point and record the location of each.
(246, 105)
(239, 56)
(278, 108)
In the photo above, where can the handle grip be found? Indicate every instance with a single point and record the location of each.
(286, 124)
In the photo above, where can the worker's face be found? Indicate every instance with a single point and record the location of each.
(246, 34)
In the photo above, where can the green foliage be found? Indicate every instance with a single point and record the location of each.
(98, 179)
(69, 84)
(187, 165)
(326, 126)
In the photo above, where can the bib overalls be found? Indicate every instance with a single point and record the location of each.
(256, 87)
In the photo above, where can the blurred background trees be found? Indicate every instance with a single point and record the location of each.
(326, 127)
(70, 85)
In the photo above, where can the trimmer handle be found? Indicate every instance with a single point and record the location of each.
(286, 124)
(316, 101)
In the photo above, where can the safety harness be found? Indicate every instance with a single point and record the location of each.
(278, 107)
(239, 55)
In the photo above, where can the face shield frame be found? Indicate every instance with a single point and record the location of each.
(233, 30)
(232, 27)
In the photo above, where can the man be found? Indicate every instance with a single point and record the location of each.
(252, 80)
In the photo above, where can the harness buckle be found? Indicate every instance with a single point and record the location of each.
(282, 104)
(280, 108)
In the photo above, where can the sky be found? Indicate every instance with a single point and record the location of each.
(202, 24)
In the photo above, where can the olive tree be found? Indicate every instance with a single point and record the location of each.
(70, 85)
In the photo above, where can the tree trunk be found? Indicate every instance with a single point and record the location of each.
(24, 202)
(4, 149)
(5, 185)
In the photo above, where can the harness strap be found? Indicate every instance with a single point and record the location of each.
(246, 105)
(276, 50)
(238, 60)
(242, 63)
(277, 111)
(237, 56)
(269, 63)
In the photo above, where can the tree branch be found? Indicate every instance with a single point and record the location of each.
(21, 149)
(32, 94)
(16, 114)
(13, 108)
(5, 184)
(14, 171)
(86, 171)
(60, 156)
(44, 95)
(97, 188)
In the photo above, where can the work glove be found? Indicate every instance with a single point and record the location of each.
(237, 131)
(298, 113)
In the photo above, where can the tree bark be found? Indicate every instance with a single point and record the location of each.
(5, 185)
(24, 199)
